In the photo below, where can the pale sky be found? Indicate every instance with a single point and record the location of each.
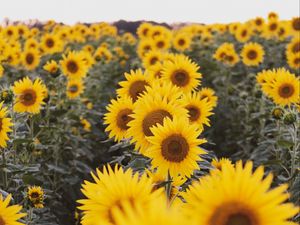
(205, 11)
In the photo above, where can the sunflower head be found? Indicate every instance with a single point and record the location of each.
(10, 214)
(252, 54)
(75, 88)
(5, 126)
(35, 195)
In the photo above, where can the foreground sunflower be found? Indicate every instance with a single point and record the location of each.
(114, 191)
(73, 66)
(182, 72)
(29, 95)
(149, 111)
(118, 117)
(9, 215)
(175, 147)
(238, 196)
(135, 84)
(252, 54)
(5, 126)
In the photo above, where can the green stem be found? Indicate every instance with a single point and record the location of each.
(4, 174)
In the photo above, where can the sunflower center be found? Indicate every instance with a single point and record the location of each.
(73, 88)
(34, 195)
(180, 78)
(244, 33)
(286, 90)
(123, 118)
(160, 44)
(273, 26)
(229, 58)
(233, 213)
(154, 118)
(2, 222)
(28, 97)
(296, 47)
(137, 88)
(72, 66)
(252, 54)
(181, 42)
(29, 58)
(296, 24)
(238, 219)
(258, 22)
(194, 112)
(145, 31)
(281, 31)
(9, 32)
(153, 60)
(49, 43)
(174, 148)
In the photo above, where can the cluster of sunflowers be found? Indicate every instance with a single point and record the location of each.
(65, 108)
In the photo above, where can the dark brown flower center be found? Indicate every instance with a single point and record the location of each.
(28, 97)
(73, 88)
(50, 42)
(2, 222)
(273, 26)
(296, 23)
(9, 32)
(72, 66)
(194, 112)
(123, 118)
(29, 58)
(296, 47)
(180, 78)
(154, 118)
(160, 44)
(181, 42)
(145, 31)
(153, 60)
(258, 22)
(297, 61)
(174, 148)
(252, 54)
(244, 33)
(34, 195)
(233, 214)
(286, 90)
(137, 88)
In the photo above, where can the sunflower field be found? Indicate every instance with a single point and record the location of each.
(188, 124)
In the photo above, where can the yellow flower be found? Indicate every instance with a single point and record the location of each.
(5, 126)
(29, 95)
(243, 33)
(86, 124)
(209, 95)
(31, 59)
(182, 41)
(51, 67)
(9, 215)
(75, 88)
(113, 190)
(36, 196)
(152, 58)
(236, 195)
(73, 66)
(175, 147)
(252, 54)
(50, 43)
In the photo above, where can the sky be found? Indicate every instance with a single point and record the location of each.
(171, 11)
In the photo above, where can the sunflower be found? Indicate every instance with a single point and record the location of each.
(182, 73)
(238, 196)
(118, 117)
(243, 33)
(31, 43)
(294, 61)
(175, 147)
(75, 88)
(86, 124)
(31, 59)
(29, 95)
(161, 43)
(182, 41)
(9, 215)
(209, 95)
(198, 109)
(112, 191)
(286, 88)
(50, 43)
(51, 67)
(144, 46)
(5, 126)
(103, 53)
(293, 47)
(149, 111)
(258, 24)
(266, 79)
(252, 54)
(219, 164)
(73, 66)
(144, 30)
(226, 54)
(134, 85)
(295, 26)
(271, 29)
(152, 58)
(36, 196)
